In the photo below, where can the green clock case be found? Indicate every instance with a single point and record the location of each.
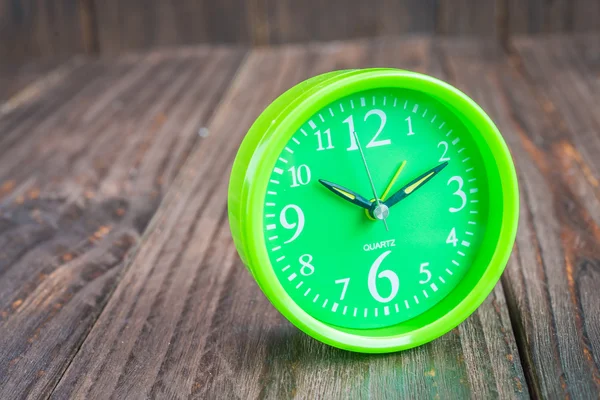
(342, 278)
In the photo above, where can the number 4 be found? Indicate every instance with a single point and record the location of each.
(452, 237)
(345, 281)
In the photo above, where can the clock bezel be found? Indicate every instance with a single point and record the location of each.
(263, 145)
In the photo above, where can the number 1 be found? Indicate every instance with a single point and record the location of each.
(410, 131)
(350, 122)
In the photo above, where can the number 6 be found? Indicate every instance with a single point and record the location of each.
(388, 274)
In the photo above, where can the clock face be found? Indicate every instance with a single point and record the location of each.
(356, 259)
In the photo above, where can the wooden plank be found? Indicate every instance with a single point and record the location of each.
(187, 318)
(292, 21)
(30, 96)
(570, 93)
(586, 14)
(468, 17)
(14, 79)
(540, 16)
(568, 85)
(587, 47)
(77, 190)
(551, 282)
(34, 29)
(141, 24)
(89, 26)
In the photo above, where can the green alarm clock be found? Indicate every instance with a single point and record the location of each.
(375, 208)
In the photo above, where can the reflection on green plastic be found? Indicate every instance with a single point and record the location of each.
(258, 155)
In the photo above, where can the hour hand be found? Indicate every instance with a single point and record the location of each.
(414, 185)
(347, 194)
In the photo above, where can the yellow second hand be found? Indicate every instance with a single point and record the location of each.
(387, 190)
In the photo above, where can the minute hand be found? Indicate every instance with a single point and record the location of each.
(414, 185)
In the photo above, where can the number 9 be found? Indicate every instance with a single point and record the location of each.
(298, 225)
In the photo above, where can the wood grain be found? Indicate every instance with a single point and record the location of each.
(538, 16)
(34, 29)
(535, 100)
(564, 84)
(141, 24)
(84, 167)
(557, 16)
(469, 17)
(188, 320)
(61, 28)
(16, 78)
(292, 21)
(586, 15)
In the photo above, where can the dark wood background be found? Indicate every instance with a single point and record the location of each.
(55, 29)
(118, 275)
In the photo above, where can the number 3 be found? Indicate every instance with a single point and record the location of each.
(459, 193)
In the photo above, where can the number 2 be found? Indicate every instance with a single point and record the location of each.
(443, 157)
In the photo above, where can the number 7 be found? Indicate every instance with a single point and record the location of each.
(345, 281)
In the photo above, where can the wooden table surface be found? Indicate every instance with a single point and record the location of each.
(119, 279)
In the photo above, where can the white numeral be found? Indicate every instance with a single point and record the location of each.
(306, 268)
(410, 131)
(373, 142)
(320, 139)
(387, 274)
(443, 157)
(345, 281)
(459, 193)
(300, 175)
(350, 122)
(452, 237)
(423, 270)
(298, 225)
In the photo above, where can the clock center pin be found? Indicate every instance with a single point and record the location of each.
(381, 211)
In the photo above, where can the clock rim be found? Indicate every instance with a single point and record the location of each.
(273, 133)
